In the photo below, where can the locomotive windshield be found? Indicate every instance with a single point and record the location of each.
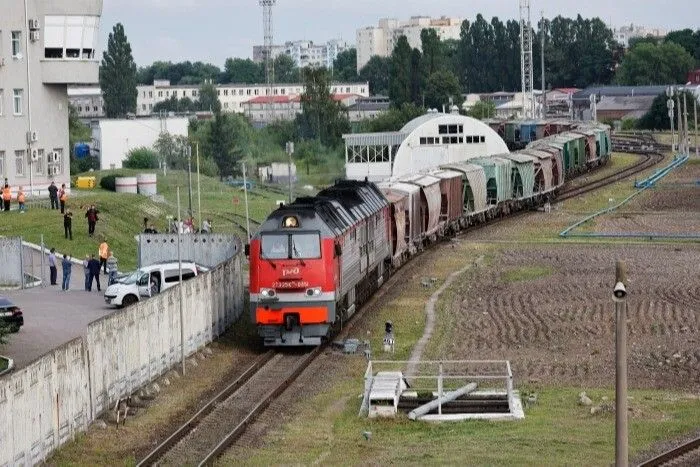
(293, 246)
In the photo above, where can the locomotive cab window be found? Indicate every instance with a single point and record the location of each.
(274, 246)
(306, 246)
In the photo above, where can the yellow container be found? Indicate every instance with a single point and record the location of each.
(85, 182)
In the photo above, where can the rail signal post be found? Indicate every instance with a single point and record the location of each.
(620, 299)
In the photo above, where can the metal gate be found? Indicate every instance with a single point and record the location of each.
(33, 266)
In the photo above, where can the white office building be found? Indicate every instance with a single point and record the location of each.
(232, 96)
(625, 33)
(380, 40)
(305, 53)
(44, 47)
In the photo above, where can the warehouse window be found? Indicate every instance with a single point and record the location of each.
(469, 140)
(445, 140)
(483, 139)
(442, 129)
(453, 140)
(461, 140)
(423, 141)
(452, 129)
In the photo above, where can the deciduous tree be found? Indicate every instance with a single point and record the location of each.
(345, 66)
(400, 73)
(645, 64)
(376, 73)
(442, 86)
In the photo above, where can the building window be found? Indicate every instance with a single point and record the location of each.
(240, 92)
(94, 108)
(461, 140)
(19, 163)
(58, 168)
(143, 106)
(483, 139)
(423, 141)
(225, 92)
(2, 99)
(194, 93)
(70, 36)
(453, 140)
(80, 108)
(174, 93)
(218, 92)
(445, 140)
(167, 93)
(225, 105)
(17, 101)
(150, 106)
(39, 164)
(160, 93)
(150, 94)
(16, 43)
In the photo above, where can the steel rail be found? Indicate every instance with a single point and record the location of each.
(672, 454)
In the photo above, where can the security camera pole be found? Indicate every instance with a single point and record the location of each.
(619, 297)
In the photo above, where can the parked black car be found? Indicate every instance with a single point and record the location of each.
(10, 315)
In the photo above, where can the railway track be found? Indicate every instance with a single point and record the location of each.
(687, 454)
(643, 145)
(222, 421)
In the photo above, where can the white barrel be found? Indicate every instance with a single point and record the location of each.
(125, 185)
(147, 184)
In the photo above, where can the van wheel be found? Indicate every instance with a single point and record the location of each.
(129, 300)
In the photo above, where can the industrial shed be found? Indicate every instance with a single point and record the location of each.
(424, 143)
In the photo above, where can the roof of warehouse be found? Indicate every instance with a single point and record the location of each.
(619, 91)
(625, 103)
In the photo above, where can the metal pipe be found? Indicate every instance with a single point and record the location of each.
(189, 176)
(43, 282)
(21, 263)
(680, 121)
(182, 298)
(621, 445)
(450, 396)
(29, 95)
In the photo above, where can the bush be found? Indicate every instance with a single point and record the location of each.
(141, 158)
(108, 182)
(629, 124)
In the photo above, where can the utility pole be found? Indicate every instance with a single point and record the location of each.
(620, 299)
(245, 194)
(290, 151)
(182, 295)
(670, 105)
(199, 190)
(526, 69)
(686, 136)
(544, 89)
(189, 176)
(695, 112)
(680, 120)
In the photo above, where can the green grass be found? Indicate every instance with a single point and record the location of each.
(121, 215)
(527, 273)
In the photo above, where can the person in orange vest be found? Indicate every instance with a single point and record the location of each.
(104, 254)
(62, 197)
(20, 200)
(6, 197)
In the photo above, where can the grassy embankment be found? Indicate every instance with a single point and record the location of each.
(121, 215)
(556, 431)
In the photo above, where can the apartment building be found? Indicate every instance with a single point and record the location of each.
(87, 101)
(45, 45)
(232, 96)
(305, 53)
(625, 33)
(380, 40)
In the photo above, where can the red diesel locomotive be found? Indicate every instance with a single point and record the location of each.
(312, 262)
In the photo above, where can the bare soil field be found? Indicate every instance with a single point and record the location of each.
(557, 326)
(672, 207)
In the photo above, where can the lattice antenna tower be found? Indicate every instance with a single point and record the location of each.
(267, 27)
(526, 65)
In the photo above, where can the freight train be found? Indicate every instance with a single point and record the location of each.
(315, 261)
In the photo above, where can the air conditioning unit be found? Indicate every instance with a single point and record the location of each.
(32, 137)
(35, 155)
(34, 24)
(34, 36)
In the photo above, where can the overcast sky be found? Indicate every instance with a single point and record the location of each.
(212, 30)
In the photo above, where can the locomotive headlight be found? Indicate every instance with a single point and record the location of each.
(313, 292)
(267, 293)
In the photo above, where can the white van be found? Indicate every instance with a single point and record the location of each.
(149, 281)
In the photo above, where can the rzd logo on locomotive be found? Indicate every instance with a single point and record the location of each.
(290, 272)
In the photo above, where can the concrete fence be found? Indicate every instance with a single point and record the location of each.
(205, 249)
(47, 403)
(11, 274)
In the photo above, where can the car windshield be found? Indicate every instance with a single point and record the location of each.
(131, 278)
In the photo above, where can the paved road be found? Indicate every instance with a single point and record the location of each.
(52, 317)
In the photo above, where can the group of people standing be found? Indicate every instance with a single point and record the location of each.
(91, 268)
(6, 193)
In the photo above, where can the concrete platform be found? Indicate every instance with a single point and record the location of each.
(52, 317)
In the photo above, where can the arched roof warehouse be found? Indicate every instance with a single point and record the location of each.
(423, 143)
